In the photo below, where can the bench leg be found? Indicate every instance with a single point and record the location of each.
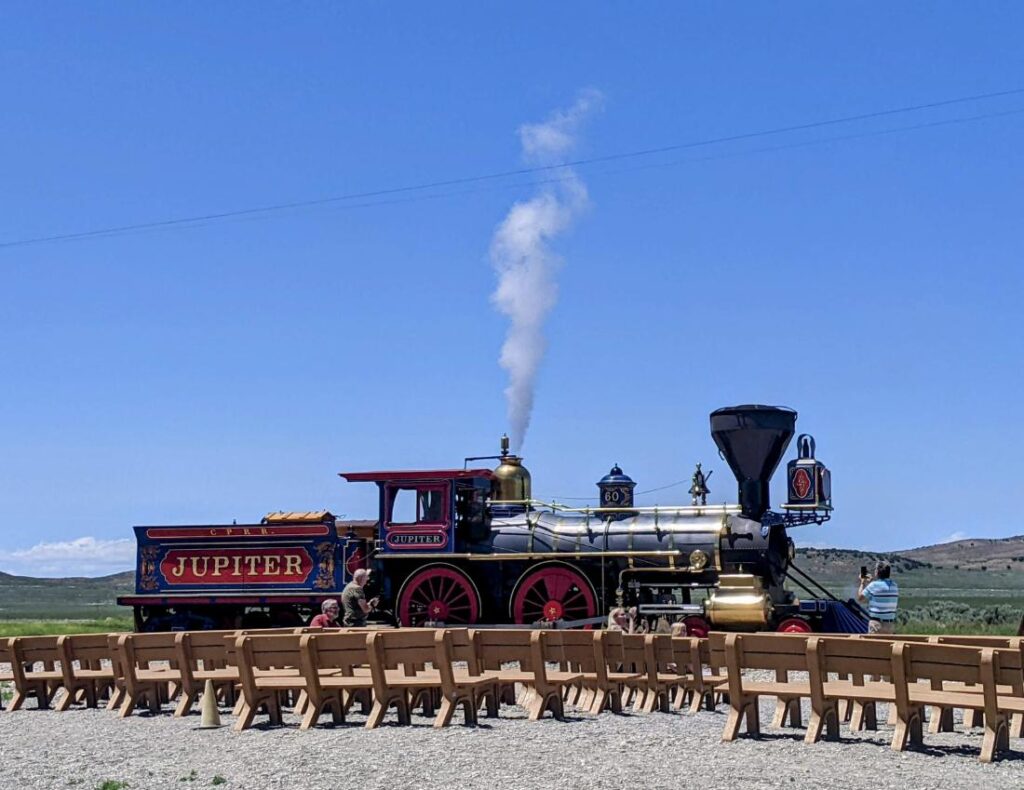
(997, 738)
(469, 708)
(827, 719)
(311, 713)
(972, 718)
(787, 709)
(17, 700)
(274, 710)
(1017, 726)
(246, 714)
(116, 698)
(738, 711)
(65, 702)
(445, 714)
(376, 715)
(127, 706)
(153, 696)
(940, 720)
(908, 729)
(185, 703)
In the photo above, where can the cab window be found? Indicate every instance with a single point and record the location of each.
(417, 504)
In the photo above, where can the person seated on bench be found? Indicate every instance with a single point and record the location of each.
(882, 597)
(618, 620)
(328, 617)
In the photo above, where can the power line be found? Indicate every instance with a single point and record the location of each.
(118, 229)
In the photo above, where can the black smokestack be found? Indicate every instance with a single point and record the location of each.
(752, 440)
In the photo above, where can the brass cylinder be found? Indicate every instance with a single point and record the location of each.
(511, 480)
(740, 600)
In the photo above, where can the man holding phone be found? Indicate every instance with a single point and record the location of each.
(882, 595)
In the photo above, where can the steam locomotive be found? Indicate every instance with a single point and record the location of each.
(470, 545)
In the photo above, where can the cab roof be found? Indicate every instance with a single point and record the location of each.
(415, 475)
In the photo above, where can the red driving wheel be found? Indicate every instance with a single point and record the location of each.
(438, 593)
(696, 626)
(794, 625)
(553, 592)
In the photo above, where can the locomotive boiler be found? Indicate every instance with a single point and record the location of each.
(471, 545)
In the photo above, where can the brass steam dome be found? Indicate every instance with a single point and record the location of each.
(511, 479)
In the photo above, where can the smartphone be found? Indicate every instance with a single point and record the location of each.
(863, 571)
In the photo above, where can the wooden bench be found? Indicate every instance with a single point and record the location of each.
(144, 683)
(781, 653)
(851, 661)
(42, 684)
(634, 676)
(87, 668)
(664, 675)
(581, 652)
(335, 668)
(529, 651)
(692, 655)
(617, 675)
(986, 667)
(941, 718)
(268, 664)
(202, 656)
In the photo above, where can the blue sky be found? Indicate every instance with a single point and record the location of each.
(231, 368)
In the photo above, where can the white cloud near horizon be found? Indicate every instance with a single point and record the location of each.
(85, 556)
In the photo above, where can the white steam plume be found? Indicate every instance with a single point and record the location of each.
(524, 261)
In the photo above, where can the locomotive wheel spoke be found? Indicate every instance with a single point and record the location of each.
(438, 593)
(553, 593)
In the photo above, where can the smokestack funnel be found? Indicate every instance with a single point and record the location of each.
(752, 440)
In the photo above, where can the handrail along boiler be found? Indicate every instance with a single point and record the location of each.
(470, 545)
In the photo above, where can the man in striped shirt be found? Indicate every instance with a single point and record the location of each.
(882, 596)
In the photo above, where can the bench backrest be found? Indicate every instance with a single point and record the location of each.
(579, 649)
(715, 646)
(85, 648)
(1009, 666)
(141, 649)
(278, 651)
(661, 656)
(211, 648)
(842, 656)
(495, 647)
(611, 648)
(686, 650)
(786, 652)
(634, 653)
(344, 651)
(977, 641)
(35, 649)
(461, 647)
(945, 663)
(409, 648)
(892, 637)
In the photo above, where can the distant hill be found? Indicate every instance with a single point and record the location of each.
(76, 597)
(980, 553)
(976, 554)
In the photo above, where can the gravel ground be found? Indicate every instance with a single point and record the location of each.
(85, 748)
